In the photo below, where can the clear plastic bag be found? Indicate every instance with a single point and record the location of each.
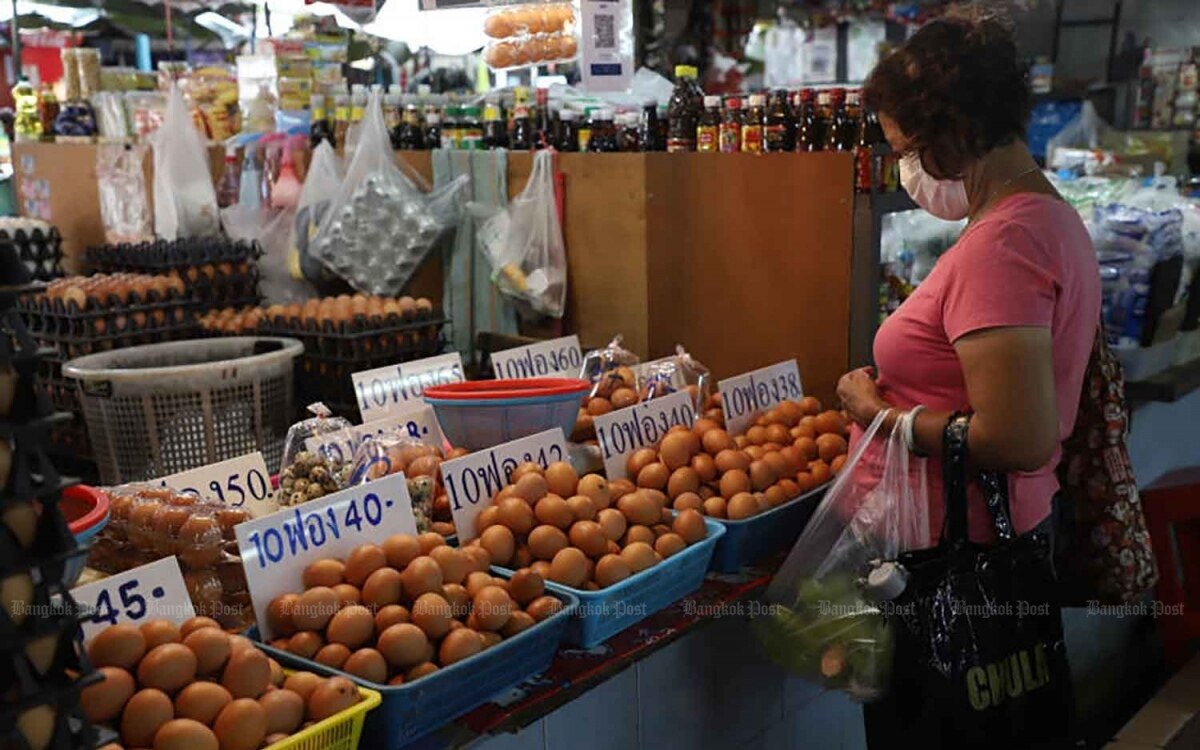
(831, 595)
(611, 371)
(395, 453)
(380, 225)
(530, 33)
(121, 180)
(185, 202)
(322, 423)
(320, 188)
(524, 245)
(675, 373)
(307, 475)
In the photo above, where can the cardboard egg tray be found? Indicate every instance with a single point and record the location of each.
(55, 714)
(40, 252)
(161, 256)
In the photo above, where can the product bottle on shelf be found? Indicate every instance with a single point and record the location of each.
(887, 161)
(823, 117)
(664, 127)
(649, 131)
(683, 111)
(411, 135)
(230, 185)
(319, 129)
(730, 133)
(27, 126)
(864, 154)
(708, 132)
(392, 117)
(852, 116)
(543, 125)
(433, 130)
(47, 108)
(341, 120)
(836, 124)
(470, 130)
(628, 135)
(752, 125)
(807, 133)
(495, 134)
(779, 131)
(451, 136)
(603, 138)
(569, 139)
(524, 138)
(585, 128)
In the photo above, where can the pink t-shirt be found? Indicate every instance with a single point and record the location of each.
(1027, 262)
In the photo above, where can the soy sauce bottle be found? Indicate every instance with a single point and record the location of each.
(752, 125)
(433, 131)
(604, 133)
(730, 133)
(320, 130)
(411, 137)
(807, 134)
(649, 131)
(780, 126)
(569, 137)
(495, 135)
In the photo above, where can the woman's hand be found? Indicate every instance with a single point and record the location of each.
(860, 396)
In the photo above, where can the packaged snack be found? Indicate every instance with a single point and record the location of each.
(530, 33)
(614, 386)
(395, 453)
(663, 377)
(322, 423)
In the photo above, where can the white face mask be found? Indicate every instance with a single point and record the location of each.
(945, 199)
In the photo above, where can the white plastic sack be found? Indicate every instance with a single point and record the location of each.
(1073, 146)
(185, 203)
(524, 245)
(320, 187)
(831, 593)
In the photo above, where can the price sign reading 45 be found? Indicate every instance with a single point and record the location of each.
(472, 481)
(744, 397)
(557, 357)
(150, 592)
(386, 390)
(623, 431)
(241, 482)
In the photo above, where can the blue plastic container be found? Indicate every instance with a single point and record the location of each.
(482, 413)
(604, 613)
(411, 711)
(749, 541)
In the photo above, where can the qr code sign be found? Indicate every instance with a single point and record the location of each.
(606, 32)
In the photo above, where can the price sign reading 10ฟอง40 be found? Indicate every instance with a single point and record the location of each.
(624, 431)
(743, 397)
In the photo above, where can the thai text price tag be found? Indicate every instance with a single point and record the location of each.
(624, 431)
(472, 481)
(241, 482)
(276, 548)
(554, 358)
(417, 422)
(744, 397)
(154, 591)
(381, 391)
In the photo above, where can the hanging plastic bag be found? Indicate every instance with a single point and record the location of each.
(380, 225)
(121, 180)
(320, 187)
(832, 592)
(524, 245)
(185, 203)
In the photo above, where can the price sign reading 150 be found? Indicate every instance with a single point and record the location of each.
(241, 482)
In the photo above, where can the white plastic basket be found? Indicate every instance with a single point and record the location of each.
(163, 408)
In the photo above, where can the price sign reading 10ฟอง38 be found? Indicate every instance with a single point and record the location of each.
(743, 397)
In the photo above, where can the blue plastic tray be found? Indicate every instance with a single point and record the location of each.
(749, 541)
(602, 614)
(411, 711)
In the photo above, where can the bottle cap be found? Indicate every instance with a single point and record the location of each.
(686, 71)
(886, 581)
(733, 102)
(757, 100)
(433, 118)
(712, 101)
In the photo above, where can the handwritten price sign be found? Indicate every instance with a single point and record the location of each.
(241, 482)
(150, 592)
(417, 422)
(624, 431)
(276, 548)
(386, 390)
(746, 396)
(472, 481)
(557, 357)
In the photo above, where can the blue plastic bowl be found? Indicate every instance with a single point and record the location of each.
(86, 511)
(483, 413)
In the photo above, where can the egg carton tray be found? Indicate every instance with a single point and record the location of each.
(239, 289)
(164, 255)
(59, 717)
(54, 318)
(27, 662)
(40, 252)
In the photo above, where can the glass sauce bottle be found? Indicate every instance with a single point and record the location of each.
(730, 133)
(708, 138)
(752, 125)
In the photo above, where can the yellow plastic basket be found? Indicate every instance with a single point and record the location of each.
(338, 732)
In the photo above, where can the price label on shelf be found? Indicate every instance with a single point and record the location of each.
(241, 482)
(472, 481)
(275, 549)
(417, 422)
(744, 397)
(554, 358)
(624, 431)
(154, 591)
(387, 390)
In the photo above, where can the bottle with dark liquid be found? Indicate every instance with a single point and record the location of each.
(836, 124)
(628, 132)
(708, 132)
(779, 131)
(433, 130)
(393, 117)
(320, 129)
(569, 138)
(412, 135)
(823, 115)
(523, 135)
(495, 134)
(752, 125)
(807, 135)
(341, 119)
(853, 116)
(543, 126)
(604, 133)
(663, 127)
(729, 135)
(649, 132)
(470, 129)
(864, 155)
(682, 111)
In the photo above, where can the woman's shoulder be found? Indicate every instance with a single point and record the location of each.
(1037, 227)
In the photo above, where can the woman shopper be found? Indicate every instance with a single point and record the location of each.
(1002, 327)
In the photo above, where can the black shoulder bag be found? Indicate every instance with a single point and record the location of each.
(980, 660)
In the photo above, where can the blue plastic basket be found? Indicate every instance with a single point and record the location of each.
(604, 613)
(413, 710)
(756, 538)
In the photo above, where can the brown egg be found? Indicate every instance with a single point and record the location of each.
(638, 533)
(103, 701)
(837, 463)
(639, 508)
(525, 586)
(432, 614)
(675, 450)
(730, 460)
(561, 478)
(689, 525)
(688, 500)
(555, 511)
(807, 447)
(477, 557)
(705, 467)
(619, 488)
(211, 648)
(456, 594)
(669, 544)
(542, 568)
(353, 627)
(612, 523)
(400, 550)
(323, 573)
(520, 620)
(597, 405)
(589, 537)
(777, 433)
(362, 562)
(653, 476)
(242, 725)
(314, 608)
(611, 569)
(383, 587)
(202, 701)
(285, 711)
(423, 466)
(684, 479)
(459, 645)
(529, 467)
(500, 544)
(167, 667)
(789, 462)
(197, 623)
(733, 482)
(830, 446)
(247, 674)
(305, 643)
(544, 607)
(742, 506)
(545, 542)
(145, 712)
(403, 645)
(638, 556)
(756, 435)
(582, 507)
(761, 476)
(829, 423)
(703, 425)
(623, 398)
(279, 615)
(715, 507)
(367, 664)
(639, 460)
(332, 696)
(715, 441)
(424, 669)
(489, 639)
(121, 645)
(516, 514)
(274, 739)
(389, 615)
(569, 567)
(531, 487)
(805, 482)
(199, 542)
(476, 581)
(597, 489)
(492, 607)
(423, 575)
(755, 452)
(454, 563)
(332, 655)
(184, 734)
(302, 683)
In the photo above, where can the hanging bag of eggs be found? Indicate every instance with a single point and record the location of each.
(380, 225)
(530, 34)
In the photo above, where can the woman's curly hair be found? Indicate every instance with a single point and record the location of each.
(956, 89)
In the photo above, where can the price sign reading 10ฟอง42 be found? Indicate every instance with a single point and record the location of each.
(241, 482)
(472, 481)
(743, 397)
(154, 591)
(275, 549)
(554, 358)
(386, 389)
(624, 431)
